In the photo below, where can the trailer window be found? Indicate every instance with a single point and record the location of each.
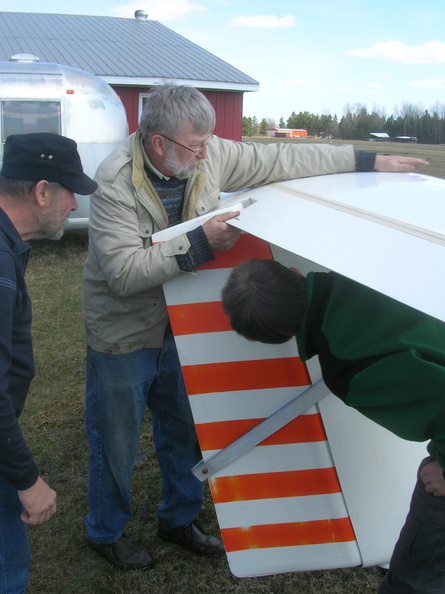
(23, 117)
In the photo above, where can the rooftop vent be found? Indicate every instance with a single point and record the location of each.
(141, 15)
(24, 58)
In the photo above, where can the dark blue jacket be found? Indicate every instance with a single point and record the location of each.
(16, 356)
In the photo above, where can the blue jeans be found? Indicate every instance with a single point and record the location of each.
(418, 562)
(118, 390)
(15, 555)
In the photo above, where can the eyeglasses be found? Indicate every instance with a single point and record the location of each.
(194, 151)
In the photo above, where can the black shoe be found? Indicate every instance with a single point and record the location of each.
(193, 538)
(123, 553)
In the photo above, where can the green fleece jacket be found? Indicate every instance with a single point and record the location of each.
(383, 358)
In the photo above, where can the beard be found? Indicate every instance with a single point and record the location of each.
(50, 225)
(176, 168)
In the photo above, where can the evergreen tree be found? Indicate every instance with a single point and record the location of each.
(264, 126)
(255, 126)
(291, 120)
(247, 126)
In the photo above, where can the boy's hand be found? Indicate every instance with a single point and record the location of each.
(432, 477)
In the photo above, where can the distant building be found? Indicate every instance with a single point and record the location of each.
(132, 55)
(286, 132)
(382, 136)
(405, 138)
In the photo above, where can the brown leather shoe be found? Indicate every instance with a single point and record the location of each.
(194, 539)
(123, 553)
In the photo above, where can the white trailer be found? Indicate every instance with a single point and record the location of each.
(47, 97)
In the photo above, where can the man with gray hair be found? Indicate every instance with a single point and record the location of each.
(39, 176)
(170, 170)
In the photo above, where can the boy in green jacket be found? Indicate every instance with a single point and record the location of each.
(379, 356)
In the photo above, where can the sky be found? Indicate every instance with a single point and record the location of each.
(315, 56)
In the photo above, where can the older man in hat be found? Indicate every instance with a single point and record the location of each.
(40, 174)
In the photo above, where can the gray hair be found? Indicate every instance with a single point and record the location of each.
(21, 189)
(167, 106)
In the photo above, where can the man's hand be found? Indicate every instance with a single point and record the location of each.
(39, 502)
(220, 235)
(398, 164)
(432, 477)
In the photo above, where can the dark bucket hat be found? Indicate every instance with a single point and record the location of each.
(42, 155)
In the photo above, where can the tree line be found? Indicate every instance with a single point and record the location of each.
(427, 125)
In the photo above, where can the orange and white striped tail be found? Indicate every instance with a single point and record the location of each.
(280, 506)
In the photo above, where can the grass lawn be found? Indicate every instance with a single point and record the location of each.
(53, 423)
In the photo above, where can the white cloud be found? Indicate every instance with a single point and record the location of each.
(264, 21)
(374, 85)
(160, 10)
(436, 82)
(430, 52)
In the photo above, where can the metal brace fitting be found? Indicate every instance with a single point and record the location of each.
(283, 416)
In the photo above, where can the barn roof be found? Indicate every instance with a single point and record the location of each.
(119, 50)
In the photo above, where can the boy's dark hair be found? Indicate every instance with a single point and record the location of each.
(265, 301)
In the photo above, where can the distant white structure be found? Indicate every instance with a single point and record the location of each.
(383, 136)
(378, 136)
(406, 138)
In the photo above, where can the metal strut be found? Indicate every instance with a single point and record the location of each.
(283, 416)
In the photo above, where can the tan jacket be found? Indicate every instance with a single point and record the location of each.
(122, 299)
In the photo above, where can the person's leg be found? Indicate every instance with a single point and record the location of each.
(418, 562)
(115, 405)
(176, 442)
(178, 451)
(15, 553)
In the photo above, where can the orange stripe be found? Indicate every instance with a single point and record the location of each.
(245, 375)
(293, 483)
(220, 434)
(246, 248)
(288, 535)
(198, 318)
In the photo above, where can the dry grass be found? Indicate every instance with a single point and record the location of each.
(53, 422)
